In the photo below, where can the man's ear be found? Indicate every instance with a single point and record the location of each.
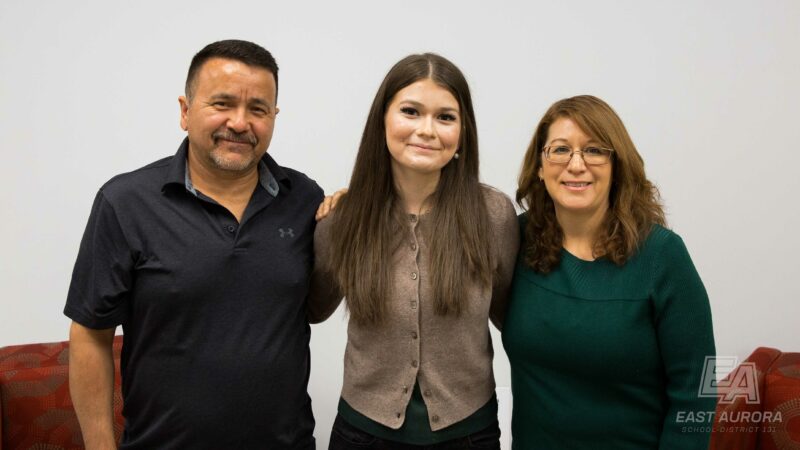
(184, 110)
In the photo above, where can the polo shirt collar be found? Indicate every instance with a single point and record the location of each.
(271, 176)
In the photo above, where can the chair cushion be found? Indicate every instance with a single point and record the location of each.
(35, 406)
(782, 398)
(734, 425)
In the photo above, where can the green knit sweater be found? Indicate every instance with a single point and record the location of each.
(607, 357)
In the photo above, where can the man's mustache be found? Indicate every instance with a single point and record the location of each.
(228, 135)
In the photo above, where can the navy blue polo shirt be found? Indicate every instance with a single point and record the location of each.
(215, 351)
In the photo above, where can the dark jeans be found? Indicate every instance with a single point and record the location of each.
(345, 437)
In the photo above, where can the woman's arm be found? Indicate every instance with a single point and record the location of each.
(686, 338)
(505, 241)
(324, 293)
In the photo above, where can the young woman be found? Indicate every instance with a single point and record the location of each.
(609, 324)
(424, 254)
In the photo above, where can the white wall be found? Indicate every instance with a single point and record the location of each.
(710, 92)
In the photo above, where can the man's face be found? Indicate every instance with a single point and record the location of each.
(230, 116)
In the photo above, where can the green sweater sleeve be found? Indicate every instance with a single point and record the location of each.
(683, 324)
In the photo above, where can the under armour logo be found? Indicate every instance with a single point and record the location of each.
(287, 232)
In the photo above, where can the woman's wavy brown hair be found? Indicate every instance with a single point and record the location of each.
(370, 223)
(634, 202)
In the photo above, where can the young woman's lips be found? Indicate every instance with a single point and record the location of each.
(423, 147)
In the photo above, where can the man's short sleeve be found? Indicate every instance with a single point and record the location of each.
(103, 273)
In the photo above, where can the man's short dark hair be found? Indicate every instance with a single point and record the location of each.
(242, 51)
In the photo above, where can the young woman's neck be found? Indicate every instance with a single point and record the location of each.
(415, 188)
(580, 231)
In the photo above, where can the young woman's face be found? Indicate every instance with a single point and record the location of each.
(423, 127)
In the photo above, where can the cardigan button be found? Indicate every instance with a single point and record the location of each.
(414, 363)
(398, 415)
(405, 389)
(413, 275)
(435, 418)
(413, 246)
(414, 335)
(413, 304)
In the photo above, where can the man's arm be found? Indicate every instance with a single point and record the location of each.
(91, 384)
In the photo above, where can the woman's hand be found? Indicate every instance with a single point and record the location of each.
(329, 204)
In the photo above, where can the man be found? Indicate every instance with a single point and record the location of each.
(204, 259)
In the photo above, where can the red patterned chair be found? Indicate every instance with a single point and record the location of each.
(773, 423)
(36, 410)
(35, 407)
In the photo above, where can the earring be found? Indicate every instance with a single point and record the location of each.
(455, 156)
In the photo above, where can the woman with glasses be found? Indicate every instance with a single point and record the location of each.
(424, 254)
(609, 323)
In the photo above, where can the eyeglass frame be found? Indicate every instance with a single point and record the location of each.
(572, 151)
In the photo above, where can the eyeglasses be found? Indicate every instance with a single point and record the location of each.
(592, 156)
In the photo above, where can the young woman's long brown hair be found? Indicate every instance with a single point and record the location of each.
(370, 222)
(634, 202)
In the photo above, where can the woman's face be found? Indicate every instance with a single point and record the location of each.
(575, 187)
(423, 126)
